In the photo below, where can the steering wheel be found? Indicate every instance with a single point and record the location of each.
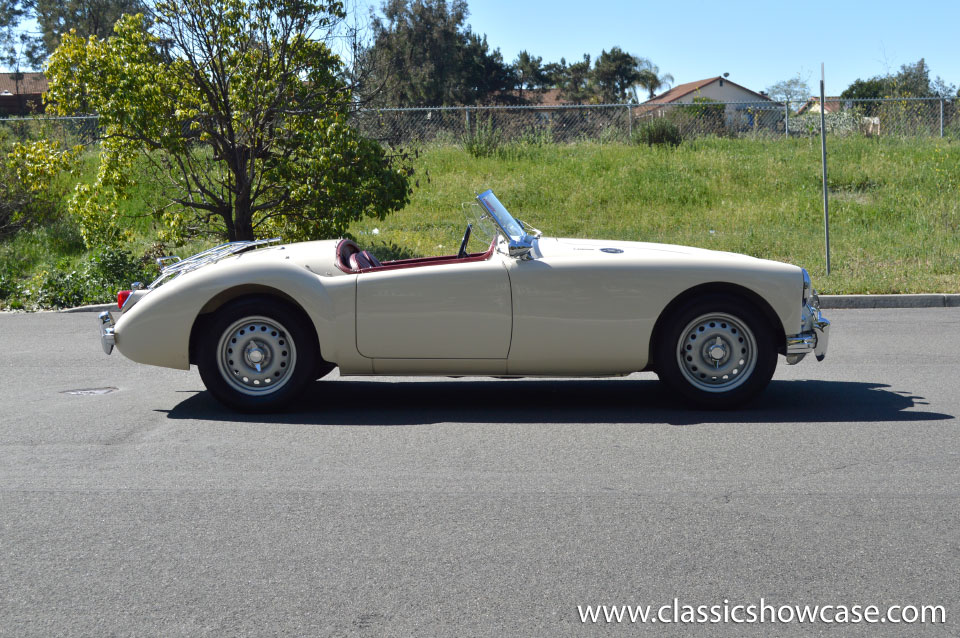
(462, 253)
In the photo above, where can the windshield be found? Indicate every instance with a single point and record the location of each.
(511, 228)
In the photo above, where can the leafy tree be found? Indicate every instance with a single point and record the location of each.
(614, 73)
(29, 182)
(871, 89)
(913, 80)
(575, 81)
(238, 108)
(940, 88)
(555, 73)
(11, 12)
(875, 87)
(423, 54)
(87, 17)
(795, 90)
(651, 79)
(18, 50)
(530, 73)
(485, 76)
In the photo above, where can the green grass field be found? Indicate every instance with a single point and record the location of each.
(894, 206)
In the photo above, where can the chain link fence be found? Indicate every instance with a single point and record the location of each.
(618, 122)
(901, 117)
(67, 131)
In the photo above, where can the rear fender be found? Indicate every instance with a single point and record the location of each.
(158, 329)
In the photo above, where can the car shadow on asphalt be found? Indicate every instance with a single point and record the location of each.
(385, 403)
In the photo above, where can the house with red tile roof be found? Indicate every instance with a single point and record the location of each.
(718, 88)
(22, 93)
(741, 104)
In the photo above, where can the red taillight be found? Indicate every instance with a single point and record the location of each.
(122, 298)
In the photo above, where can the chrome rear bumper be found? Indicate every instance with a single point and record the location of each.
(107, 338)
(815, 335)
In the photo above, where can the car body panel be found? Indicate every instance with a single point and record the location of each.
(581, 310)
(157, 329)
(448, 311)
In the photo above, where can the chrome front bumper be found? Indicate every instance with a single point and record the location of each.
(107, 338)
(815, 335)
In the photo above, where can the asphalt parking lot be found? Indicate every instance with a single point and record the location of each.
(437, 507)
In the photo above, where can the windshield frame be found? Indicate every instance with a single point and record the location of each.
(519, 241)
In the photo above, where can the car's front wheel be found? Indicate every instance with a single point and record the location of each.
(717, 352)
(257, 354)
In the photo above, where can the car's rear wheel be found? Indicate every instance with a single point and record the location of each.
(716, 351)
(258, 354)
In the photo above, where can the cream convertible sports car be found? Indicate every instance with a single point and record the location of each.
(262, 324)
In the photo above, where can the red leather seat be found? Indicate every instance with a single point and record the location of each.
(363, 260)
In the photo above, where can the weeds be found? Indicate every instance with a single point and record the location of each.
(658, 131)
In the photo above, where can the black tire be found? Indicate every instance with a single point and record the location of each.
(258, 371)
(716, 351)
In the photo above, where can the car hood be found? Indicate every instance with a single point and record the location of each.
(553, 247)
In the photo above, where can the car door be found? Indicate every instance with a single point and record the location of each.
(454, 310)
(575, 315)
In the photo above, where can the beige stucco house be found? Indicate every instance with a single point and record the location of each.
(744, 109)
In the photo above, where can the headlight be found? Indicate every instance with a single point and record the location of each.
(807, 285)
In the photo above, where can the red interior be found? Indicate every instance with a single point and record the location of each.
(347, 247)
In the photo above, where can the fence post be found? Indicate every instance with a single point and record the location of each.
(823, 151)
(786, 118)
(630, 121)
(941, 117)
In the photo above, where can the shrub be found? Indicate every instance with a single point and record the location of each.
(658, 131)
(484, 141)
(9, 281)
(29, 189)
(842, 123)
(95, 281)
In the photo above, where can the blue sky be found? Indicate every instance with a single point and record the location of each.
(758, 43)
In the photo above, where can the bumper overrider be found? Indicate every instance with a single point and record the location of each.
(107, 338)
(815, 335)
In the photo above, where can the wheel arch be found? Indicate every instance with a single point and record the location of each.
(717, 287)
(223, 297)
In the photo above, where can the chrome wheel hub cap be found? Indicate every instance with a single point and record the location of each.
(255, 355)
(717, 352)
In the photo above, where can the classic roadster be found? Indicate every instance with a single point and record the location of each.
(262, 321)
